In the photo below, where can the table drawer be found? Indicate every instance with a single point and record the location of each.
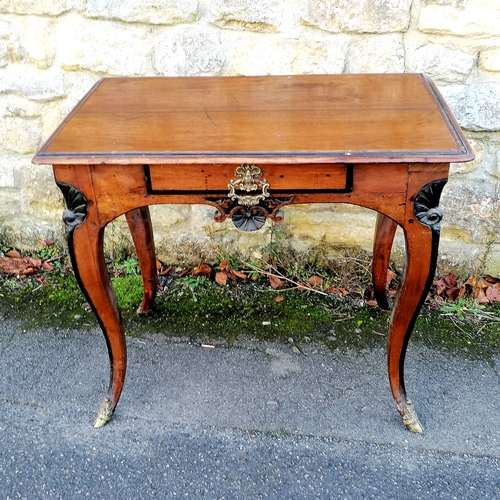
(170, 179)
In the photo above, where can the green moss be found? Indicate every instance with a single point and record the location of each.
(474, 337)
(204, 311)
(59, 302)
(211, 311)
(128, 292)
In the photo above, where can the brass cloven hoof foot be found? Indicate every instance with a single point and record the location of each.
(410, 419)
(104, 414)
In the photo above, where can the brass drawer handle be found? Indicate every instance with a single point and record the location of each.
(248, 182)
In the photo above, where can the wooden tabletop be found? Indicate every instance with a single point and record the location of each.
(266, 119)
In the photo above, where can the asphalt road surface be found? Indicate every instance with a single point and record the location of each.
(252, 421)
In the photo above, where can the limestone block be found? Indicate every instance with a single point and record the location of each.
(476, 106)
(264, 15)
(38, 41)
(489, 60)
(356, 16)
(454, 3)
(441, 63)
(20, 135)
(188, 51)
(496, 162)
(10, 46)
(40, 196)
(471, 207)
(282, 56)
(32, 83)
(15, 105)
(470, 166)
(103, 46)
(169, 215)
(332, 224)
(10, 208)
(37, 7)
(479, 18)
(22, 232)
(7, 171)
(144, 11)
(376, 54)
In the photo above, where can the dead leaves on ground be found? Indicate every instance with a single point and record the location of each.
(220, 274)
(226, 272)
(315, 281)
(13, 263)
(275, 281)
(485, 290)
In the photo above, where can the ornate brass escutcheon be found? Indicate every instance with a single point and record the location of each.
(248, 182)
(249, 211)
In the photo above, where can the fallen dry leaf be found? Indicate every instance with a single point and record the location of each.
(301, 286)
(451, 280)
(17, 266)
(13, 253)
(440, 286)
(45, 243)
(332, 289)
(224, 265)
(476, 282)
(481, 297)
(315, 281)
(371, 303)
(478, 289)
(47, 266)
(33, 262)
(493, 293)
(168, 271)
(202, 270)
(389, 277)
(279, 298)
(274, 281)
(29, 270)
(221, 278)
(491, 279)
(243, 276)
(453, 293)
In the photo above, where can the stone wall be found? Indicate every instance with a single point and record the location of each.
(52, 51)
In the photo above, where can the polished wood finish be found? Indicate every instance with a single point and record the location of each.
(378, 141)
(139, 223)
(273, 119)
(385, 229)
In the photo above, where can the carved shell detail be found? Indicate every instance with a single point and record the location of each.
(249, 219)
(426, 205)
(76, 206)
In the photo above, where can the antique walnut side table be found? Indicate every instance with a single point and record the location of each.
(248, 146)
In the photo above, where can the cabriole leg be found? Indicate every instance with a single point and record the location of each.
(385, 229)
(422, 243)
(139, 223)
(85, 244)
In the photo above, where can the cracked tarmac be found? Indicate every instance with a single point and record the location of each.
(257, 420)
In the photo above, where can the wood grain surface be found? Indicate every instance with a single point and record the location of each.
(278, 119)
